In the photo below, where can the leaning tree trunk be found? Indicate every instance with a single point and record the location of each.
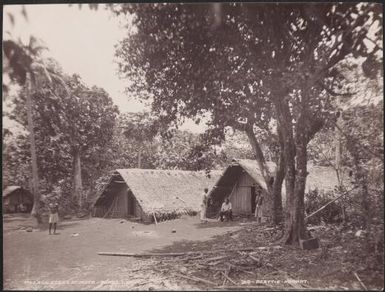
(35, 177)
(275, 189)
(77, 176)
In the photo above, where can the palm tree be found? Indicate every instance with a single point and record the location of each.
(24, 65)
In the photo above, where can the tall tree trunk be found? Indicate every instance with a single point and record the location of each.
(35, 176)
(77, 175)
(277, 185)
(291, 223)
(294, 182)
(296, 224)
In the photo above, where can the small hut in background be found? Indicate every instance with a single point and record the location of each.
(242, 179)
(146, 194)
(17, 200)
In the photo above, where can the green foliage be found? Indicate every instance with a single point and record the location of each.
(245, 65)
(19, 61)
(236, 57)
(236, 146)
(68, 117)
(364, 142)
(316, 199)
(361, 130)
(139, 133)
(16, 161)
(187, 151)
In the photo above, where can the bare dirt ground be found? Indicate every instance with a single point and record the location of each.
(69, 260)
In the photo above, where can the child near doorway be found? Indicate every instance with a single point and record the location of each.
(258, 206)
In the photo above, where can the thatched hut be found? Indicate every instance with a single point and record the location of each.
(17, 199)
(142, 194)
(242, 178)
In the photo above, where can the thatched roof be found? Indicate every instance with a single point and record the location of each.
(10, 189)
(252, 168)
(320, 177)
(166, 191)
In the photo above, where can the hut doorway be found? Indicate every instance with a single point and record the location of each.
(130, 204)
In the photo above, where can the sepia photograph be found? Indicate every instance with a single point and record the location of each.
(206, 146)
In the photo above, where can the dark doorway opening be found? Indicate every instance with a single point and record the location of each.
(131, 204)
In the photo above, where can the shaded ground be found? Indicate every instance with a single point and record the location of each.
(69, 261)
(275, 266)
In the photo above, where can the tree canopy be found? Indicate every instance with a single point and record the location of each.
(248, 64)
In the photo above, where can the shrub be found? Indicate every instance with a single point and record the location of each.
(315, 199)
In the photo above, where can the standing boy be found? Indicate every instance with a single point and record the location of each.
(53, 217)
(204, 205)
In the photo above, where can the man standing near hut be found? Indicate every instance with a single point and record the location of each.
(204, 205)
(258, 206)
(53, 217)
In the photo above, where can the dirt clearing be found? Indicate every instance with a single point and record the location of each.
(217, 257)
(39, 261)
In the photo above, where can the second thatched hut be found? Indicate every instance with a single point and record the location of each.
(242, 177)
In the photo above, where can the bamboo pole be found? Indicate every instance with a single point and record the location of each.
(324, 206)
(156, 222)
(250, 249)
(359, 280)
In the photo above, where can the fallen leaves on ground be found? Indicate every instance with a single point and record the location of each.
(331, 266)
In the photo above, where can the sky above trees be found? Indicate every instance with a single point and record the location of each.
(82, 41)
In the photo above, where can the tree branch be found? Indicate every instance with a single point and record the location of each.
(333, 93)
(352, 140)
(335, 59)
(316, 125)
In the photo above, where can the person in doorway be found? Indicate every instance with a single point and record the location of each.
(226, 210)
(204, 205)
(22, 208)
(258, 207)
(53, 217)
